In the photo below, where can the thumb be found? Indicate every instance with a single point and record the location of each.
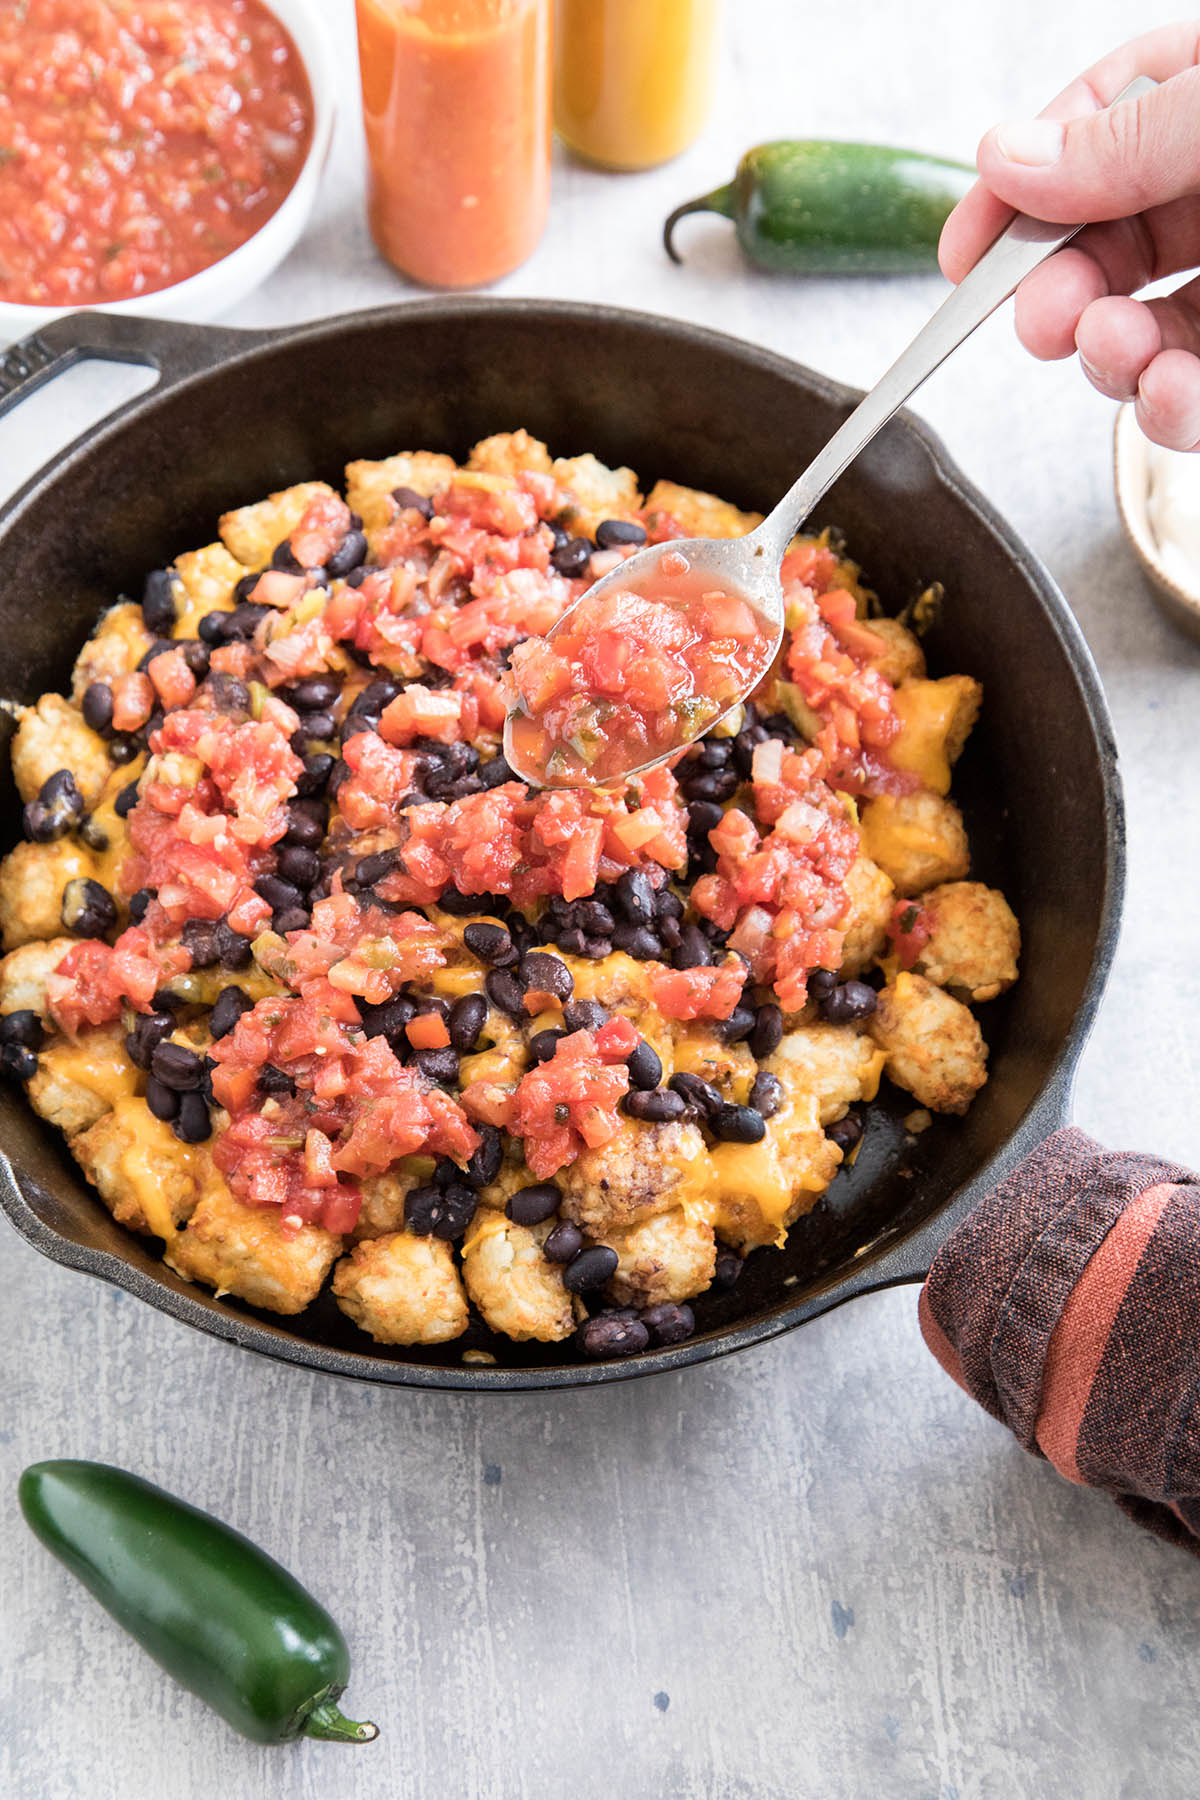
(1108, 164)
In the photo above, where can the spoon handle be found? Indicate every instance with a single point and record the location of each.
(1021, 246)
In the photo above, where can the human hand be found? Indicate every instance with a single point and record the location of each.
(1132, 172)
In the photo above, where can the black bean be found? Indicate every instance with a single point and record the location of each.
(162, 1101)
(853, 1000)
(573, 558)
(704, 816)
(349, 554)
(284, 557)
(315, 693)
(355, 579)
(738, 1124)
(491, 944)
(93, 836)
(487, 1158)
(713, 753)
(437, 1065)
(321, 772)
(123, 749)
(298, 866)
(17, 1062)
(176, 1066)
(317, 726)
(158, 601)
(768, 1031)
(458, 1208)
(192, 1124)
(744, 746)
(233, 949)
(467, 1017)
(273, 1080)
(845, 1133)
(88, 910)
(585, 1015)
(153, 723)
(245, 620)
(211, 628)
(408, 500)
(591, 1268)
(138, 903)
(195, 655)
(656, 1107)
(611, 532)
(494, 773)
(504, 991)
(543, 1044)
(376, 695)
(667, 905)
(147, 1034)
(766, 1095)
(422, 1209)
(637, 941)
(23, 1028)
(97, 705)
(376, 867)
(277, 894)
(728, 1268)
(290, 918)
(738, 1025)
(357, 724)
(821, 982)
(668, 1323)
(573, 942)
(228, 1008)
(540, 973)
(564, 1243)
(230, 695)
(305, 832)
(126, 800)
(635, 897)
(389, 1019)
(612, 1334)
(464, 905)
(531, 1205)
(644, 1065)
(57, 808)
(708, 784)
(200, 941)
(693, 951)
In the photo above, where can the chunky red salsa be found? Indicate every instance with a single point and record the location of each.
(140, 143)
(634, 674)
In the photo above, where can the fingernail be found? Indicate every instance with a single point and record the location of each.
(1034, 142)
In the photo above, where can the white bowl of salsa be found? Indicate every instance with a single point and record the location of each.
(160, 177)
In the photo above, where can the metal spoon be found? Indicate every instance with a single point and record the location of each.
(749, 566)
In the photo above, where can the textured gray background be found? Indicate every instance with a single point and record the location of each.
(816, 1569)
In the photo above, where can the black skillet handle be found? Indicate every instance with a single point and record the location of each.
(176, 351)
(908, 1261)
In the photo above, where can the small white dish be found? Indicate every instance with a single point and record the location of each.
(1133, 475)
(218, 288)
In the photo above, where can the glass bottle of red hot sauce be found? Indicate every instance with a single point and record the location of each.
(457, 104)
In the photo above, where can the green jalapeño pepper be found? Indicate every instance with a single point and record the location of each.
(217, 1613)
(808, 207)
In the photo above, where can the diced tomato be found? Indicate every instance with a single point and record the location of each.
(133, 701)
(422, 712)
(567, 1103)
(322, 526)
(427, 1032)
(172, 680)
(705, 993)
(93, 979)
(275, 587)
(909, 930)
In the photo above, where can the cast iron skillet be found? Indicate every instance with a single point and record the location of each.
(238, 414)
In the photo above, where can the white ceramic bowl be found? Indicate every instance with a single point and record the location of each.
(1131, 480)
(218, 288)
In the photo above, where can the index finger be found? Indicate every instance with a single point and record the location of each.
(980, 217)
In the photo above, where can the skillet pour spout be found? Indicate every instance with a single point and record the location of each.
(236, 415)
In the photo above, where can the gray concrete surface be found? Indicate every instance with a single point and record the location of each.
(816, 1569)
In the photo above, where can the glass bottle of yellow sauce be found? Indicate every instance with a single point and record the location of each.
(633, 79)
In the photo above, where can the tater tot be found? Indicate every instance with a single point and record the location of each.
(917, 839)
(53, 736)
(402, 1289)
(933, 1045)
(974, 940)
(515, 1288)
(668, 1257)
